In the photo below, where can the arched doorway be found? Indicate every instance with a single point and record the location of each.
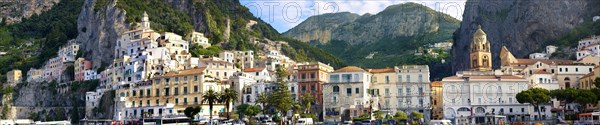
(567, 82)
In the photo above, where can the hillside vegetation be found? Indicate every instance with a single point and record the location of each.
(36, 39)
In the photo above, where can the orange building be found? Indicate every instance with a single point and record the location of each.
(311, 76)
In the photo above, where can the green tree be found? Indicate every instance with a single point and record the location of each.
(281, 97)
(585, 97)
(248, 110)
(211, 97)
(263, 99)
(597, 82)
(416, 115)
(190, 112)
(378, 114)
(228, 96)
(306, 101)
(400, 116)
(535, 97)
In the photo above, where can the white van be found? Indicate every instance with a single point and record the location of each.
(440, 122)
(305, 121)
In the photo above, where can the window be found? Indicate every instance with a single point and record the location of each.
(334, 78)
(312, 89)
(348, 91)
(420, 77)
(167, 91)
(407, 78)
(196, 78)
(387, 79)
(176, 91)
(346, 77)
(185, 79)
(336, 89)
(157, 92)
(195, 99)
(421, 91)
(303, 76)
(387, 92)
(399, 78)
(195, 88)
(176, 101)
(303, 89)
(133, 93)
(157, 102)
(399, 91)
(357, 90)
(576, 69)
(185, 90)
(147, 92)
(312, 75)
(407, 91)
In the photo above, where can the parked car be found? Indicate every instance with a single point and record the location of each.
(347, 123)
(440, 122)
(305, 121)
(267, 122)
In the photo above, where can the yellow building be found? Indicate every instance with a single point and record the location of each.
(480, 52)
(168, 95)
(14, 77)
(437, 98)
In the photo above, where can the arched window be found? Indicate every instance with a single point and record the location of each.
(480, 110)
(248, 98)
(567, 82)
(336, 89)
(485, 61)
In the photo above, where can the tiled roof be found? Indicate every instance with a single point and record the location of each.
(254, 69)
(542, 72)
(350, 69)
(547, 61)
(588, 75)
(385, 70)
(436, 83)
(184, 72)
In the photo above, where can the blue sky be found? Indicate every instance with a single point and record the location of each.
(285, 14)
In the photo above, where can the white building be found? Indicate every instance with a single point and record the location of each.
(197, 38)
(348, 94)
(90, 75)
(403, 88)
(260, 74)
(538, 56)
(551, 49)
(92, 100)
(227, 56)
(485, 93)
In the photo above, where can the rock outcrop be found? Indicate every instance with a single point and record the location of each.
(522, 26)
(13, 11)
(99, 31)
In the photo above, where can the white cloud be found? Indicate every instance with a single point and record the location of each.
(283, 15)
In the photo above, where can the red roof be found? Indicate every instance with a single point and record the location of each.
(254, 69)
(542, 72)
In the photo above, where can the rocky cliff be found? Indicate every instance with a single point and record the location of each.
(522, 26)
(319, 28)
(13, 11)
(99, 31)
(395, 21)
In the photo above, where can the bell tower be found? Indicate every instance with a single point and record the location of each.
(145, 21)
(480, 57)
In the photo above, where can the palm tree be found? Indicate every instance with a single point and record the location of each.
(307, 100)
(228, 96)
(211, 97)
(263, 99)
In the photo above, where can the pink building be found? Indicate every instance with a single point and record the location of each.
(81, 65)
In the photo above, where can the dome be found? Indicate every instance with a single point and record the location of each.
(479, 32)
(350, 69)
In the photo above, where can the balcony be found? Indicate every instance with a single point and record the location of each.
(307, 80)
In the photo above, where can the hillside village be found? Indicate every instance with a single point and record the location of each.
(155, 76)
